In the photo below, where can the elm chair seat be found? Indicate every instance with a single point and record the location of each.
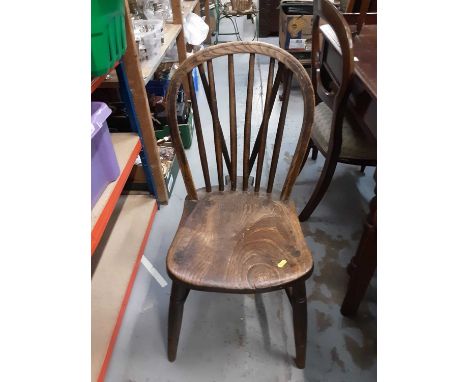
(233, 241)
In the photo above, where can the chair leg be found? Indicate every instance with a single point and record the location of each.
(306, 155)
(176, 310)
(314, 152)
(320, 189)
(299, 307)
(362, 169)
(283, 81)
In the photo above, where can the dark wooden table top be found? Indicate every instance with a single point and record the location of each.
(365, 50)
(365, 53)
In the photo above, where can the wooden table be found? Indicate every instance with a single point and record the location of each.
(365, 50)
(363, 102)
(362, 106)
(363, 98)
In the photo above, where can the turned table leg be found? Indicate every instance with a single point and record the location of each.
(363, 264)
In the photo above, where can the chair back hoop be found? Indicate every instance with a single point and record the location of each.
(288, 66)
(332, 84)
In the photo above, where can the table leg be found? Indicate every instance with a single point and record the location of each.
(363, 264)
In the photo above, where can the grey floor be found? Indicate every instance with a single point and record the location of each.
(242, 337)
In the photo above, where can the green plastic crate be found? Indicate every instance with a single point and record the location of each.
(171, 176)
(108, 40)
(186, 131)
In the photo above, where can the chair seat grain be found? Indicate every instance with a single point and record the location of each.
(233, 241)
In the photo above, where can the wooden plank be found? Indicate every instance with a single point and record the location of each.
(188, 7)
(208, 21)
(127, 146)
(177, 18)
(96, 82)
(137, 85)
(196, 9)
(120, 255)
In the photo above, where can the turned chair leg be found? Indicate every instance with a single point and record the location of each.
(176, 310)
(299, 307)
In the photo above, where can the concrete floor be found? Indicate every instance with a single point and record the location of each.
(245, 337)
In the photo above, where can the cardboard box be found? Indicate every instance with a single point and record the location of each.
(295, 32)
(172, 171)
(295, 24)
(171, 176)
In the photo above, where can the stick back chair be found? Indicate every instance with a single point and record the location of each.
(334, 134)
(240, 238)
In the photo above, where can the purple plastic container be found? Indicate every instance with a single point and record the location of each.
(104, 166)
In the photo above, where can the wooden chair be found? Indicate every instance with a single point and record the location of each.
(231, 11)
(359, 8)
(240, 238)
(334, 133)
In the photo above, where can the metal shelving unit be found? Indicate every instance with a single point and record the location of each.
(120, 226)
(127, 147)
(119, 254)
(140, 73)
(121, 223)
(171, 32)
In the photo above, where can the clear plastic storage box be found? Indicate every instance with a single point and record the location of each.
(104, 166)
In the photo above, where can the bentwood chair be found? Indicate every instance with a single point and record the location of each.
(334, 133)
(231, 10)
(240, 238)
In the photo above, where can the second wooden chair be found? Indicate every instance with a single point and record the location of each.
(334, 133)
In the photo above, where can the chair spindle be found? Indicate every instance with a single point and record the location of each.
(264, 126)
(268, 109)
(279, 131)
(216, 126)
(206, 87)
(199, 132)
(233, 122)
(248, 121)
